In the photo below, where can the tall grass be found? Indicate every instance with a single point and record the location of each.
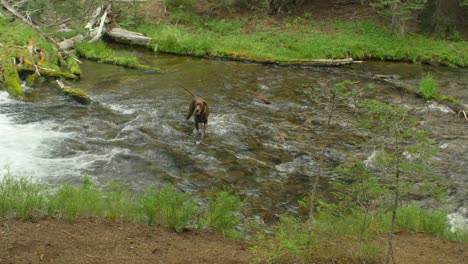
(21, 197)
(169, 207)
(70, 202)
(24, 198)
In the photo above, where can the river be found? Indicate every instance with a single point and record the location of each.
(136, 133)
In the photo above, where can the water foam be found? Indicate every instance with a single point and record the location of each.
(24, 148)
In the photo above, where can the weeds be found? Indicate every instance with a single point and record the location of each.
(170, 208)
(222, 213)
(20, 197)
(428, 87)
(70, 202)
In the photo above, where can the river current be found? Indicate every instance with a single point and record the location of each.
(135, 132)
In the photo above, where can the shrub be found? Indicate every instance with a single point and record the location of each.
(428, 87)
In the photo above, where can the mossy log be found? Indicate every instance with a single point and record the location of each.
(49, 73)
(11, 77)
(77, 94)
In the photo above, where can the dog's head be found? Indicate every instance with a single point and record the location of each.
(200, 108)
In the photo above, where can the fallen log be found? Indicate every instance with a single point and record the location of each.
(79, 95)
(319, 62)
(68, 44)
(124, 36)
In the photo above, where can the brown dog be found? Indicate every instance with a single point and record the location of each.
(200, 111)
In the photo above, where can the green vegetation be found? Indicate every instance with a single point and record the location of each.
(100, 52)
(336, 237)
(289, 41)
(24, 198)
(170, 208)
(223, 214)
(428, 87)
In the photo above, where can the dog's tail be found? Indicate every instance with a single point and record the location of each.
(186, 89)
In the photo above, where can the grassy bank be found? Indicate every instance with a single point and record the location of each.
(298, 39)
(289, 240)
(24, 198)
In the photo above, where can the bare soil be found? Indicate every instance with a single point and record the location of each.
(106, 241)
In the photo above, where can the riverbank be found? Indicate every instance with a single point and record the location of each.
(83, 222)
(297, 39)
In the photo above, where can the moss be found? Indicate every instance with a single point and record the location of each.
(444, 98)
(73, 66)
(11, 78)
(31, 79)
(49, 72)
(79, 95)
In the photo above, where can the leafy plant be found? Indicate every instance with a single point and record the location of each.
(222, 213)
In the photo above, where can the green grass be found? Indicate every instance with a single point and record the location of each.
(290, 41)
(23, 198)
(428, 87)
(70, 202)
(100, 52)
(170, 208)
(337, 236)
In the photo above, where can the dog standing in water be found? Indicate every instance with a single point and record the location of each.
(200, 111)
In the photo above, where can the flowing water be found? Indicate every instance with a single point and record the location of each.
(136, 131)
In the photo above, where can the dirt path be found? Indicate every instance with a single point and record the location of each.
(106, 241)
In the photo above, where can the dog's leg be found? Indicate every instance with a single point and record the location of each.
(204, 130)
(191, 109)
(196, 125)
